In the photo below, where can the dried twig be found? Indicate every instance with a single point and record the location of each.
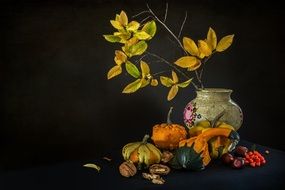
(166, 27)
(166, 11)
(183, 23)
(143, 20)
(140, 13)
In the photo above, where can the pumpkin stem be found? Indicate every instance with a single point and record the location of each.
(145, 138)
(168, 115)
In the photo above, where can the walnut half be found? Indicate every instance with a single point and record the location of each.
(159, 169)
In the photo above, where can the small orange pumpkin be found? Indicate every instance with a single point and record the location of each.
(168, 135)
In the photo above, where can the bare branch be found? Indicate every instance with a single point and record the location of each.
(143, 56)
(166, 27)
(158, 73)
(166, 11)
(183, 23)
(143, 20)
(143, 12)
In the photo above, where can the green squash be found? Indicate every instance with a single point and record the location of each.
(187, 158)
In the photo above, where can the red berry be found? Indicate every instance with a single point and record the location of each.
(238, 163)
(227, 158)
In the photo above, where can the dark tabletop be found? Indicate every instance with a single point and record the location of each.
(72, 175)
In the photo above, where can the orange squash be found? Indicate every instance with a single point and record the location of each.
(168, 135)
(200, 142)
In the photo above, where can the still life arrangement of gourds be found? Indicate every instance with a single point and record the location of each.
(172, 146)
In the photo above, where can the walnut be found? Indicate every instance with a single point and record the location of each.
(166, 156)
(159, 181)
(159, 169)
(150, 176)
(127, 169)
(154, 178)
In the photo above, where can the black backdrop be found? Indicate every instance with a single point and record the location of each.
(57, 105)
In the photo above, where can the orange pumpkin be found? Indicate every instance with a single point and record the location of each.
(168, 135)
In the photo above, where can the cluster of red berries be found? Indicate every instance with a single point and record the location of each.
(254, 159)
(243, 157)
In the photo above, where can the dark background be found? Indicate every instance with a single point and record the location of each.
(57, 105)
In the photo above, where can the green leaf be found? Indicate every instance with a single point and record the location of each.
(112, 38)
(165, 81)
(132, 87)
(253, 147)
(150, 28)
(132, 69)
(94, 166)
(138, 48)
(184, 84)
(142, 35)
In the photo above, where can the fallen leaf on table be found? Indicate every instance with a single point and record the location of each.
(94, 166)
(106, 158)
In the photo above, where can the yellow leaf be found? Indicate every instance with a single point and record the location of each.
(204, 48)
(123, 18)
(124, 35)
(154, 82)
(114, 71)
(94, 166)
(187, 61)
(174, 77)
(190, 46)
(224, 43)
(120, 57)
(142, 35)
(165, 81)
(211, 39)
(184, 84)
(116, 24)
(145, 82)
(172, 92)
(132, 41)
(132, 87)
(112, 38)
(117, 18)
(195, 65)
(145, 69)
(133, 26)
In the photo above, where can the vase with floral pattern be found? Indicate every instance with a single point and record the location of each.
(211, 103)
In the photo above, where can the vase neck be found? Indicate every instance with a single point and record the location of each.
(214, 94)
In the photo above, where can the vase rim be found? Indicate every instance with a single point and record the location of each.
(219, 90)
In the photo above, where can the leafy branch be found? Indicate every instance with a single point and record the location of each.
(134, 36)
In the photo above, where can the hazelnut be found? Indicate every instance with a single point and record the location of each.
(241, 151)
(127, 169)
(227, 158)
(238, 163)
